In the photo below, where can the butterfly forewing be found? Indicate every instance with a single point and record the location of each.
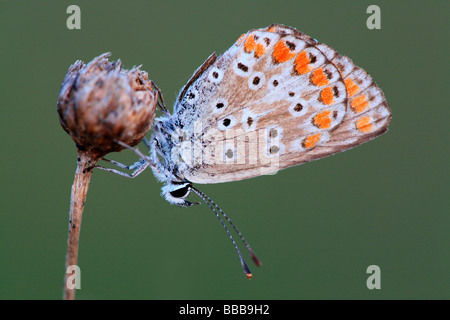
(275, 99)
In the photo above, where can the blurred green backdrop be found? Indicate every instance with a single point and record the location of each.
(316, 227)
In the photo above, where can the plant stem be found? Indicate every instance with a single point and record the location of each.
(85, 165)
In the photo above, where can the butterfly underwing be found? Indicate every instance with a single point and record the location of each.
(277, 98)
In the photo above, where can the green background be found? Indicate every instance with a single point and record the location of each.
(316, 227)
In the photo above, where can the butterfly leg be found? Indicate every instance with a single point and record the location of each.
(138, 168)
(147, 143)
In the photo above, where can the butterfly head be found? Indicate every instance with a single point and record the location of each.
(177, 192)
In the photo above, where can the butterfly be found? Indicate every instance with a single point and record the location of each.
(276, 99)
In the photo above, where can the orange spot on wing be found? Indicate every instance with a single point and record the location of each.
(323, 120)
(271, 29)
(281, 52)
(319, 78)
(359, 104)
(311, 141)
(364, 124)
(352, 88)
(250, 43)
(302, 63)
(327, 96)
(259, 50)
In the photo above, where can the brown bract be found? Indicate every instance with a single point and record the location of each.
(101, 103)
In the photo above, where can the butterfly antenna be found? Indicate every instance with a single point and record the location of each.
(244, 265)
(247, 245)
(161, 103)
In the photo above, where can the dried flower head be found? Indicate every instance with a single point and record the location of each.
(100, 103)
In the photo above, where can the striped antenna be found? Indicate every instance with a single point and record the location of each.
(213, 206)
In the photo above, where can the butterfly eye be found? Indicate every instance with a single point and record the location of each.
(181, 192)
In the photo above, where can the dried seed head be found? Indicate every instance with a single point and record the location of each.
(101, 103)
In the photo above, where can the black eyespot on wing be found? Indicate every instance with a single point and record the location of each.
(243, 67)
(298, 107)
(290, 45)
(226, 122)
(220, 105)
(336, 91)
